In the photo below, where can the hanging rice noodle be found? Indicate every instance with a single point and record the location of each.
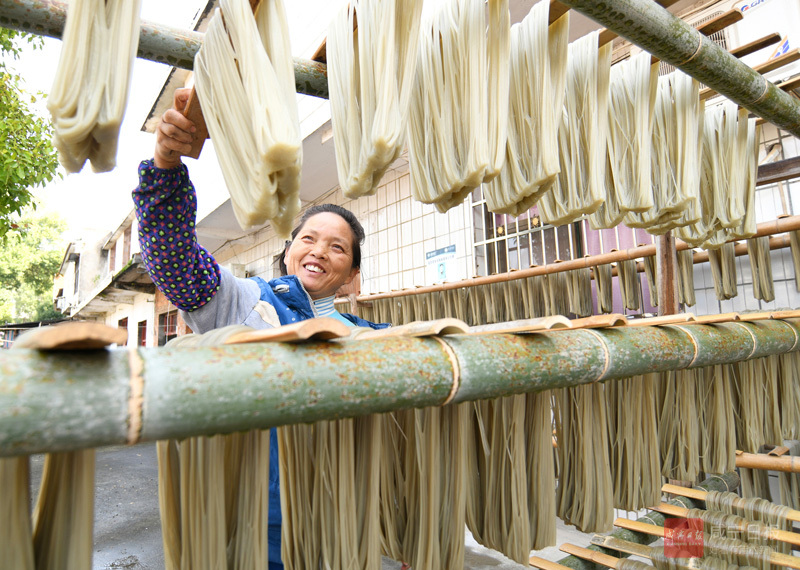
(650, 273)
(628, 188)
(585, 493)
(537, 75)
(540, 469)
(725, 181)
(557, 286)
(678, 428)
(503, 479)
(244, 78)
(370, 72)
(580, 291)
(582, 133)
(717, 427)
(633, 433)
(675, 164)
(424, 487)
(16, 540)
(213, 491)
(757, 416)
(686, 277)
(629, 284)
(459, 102)
(747, 228)
(761, 268)
(605, 288)
(723, 271)
(90, 89)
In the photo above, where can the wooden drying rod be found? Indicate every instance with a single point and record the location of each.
(700, 495)
(774, 533)
(655, 530)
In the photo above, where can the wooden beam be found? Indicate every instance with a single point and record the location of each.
(778, 171)
(721, 22)
(756, 45)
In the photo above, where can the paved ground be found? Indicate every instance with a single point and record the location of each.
(127, 532)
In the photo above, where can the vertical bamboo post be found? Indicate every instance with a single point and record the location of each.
(667, 272)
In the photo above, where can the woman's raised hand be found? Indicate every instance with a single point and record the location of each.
(175, 133)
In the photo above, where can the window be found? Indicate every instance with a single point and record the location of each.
(503, 243)
(112, 259)
(167, 327)
(142, 336)
(123, 323)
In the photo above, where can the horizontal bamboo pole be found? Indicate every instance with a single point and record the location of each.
(781, 225)
(159, 43)
(659, 531)
(590, 555)
(655, 30)
(723, 483)
(56, 401)
(786, 463)
(700, 495)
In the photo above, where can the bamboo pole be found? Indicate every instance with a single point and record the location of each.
(159, 43)
(659, 532)
(58, 401)
(774, 533)
(655, 30)
(781, 225)
(726, 482)
(700, 495)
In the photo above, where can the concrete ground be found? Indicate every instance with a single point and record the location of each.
(127, 531)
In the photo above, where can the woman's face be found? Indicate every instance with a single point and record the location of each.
(322, 255)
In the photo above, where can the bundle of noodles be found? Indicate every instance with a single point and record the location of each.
(794, 241)
(16, 541)
(757, 415)
(749, 164)
(579, 287)
(369, 77)
(753, 509)
(582, 133)
(629, 284)
(761, 267)
(244, 77)
(789, 398)
(213, 491)
(723, 271)
(502, 477)
(717, 428)
(789, 394)
(537, 296)
(537, 75)
(423, 485)
(675, 165)
(330, 494)
(686, 277)
(585, 495)
(90, 89)
(540, 469)
(633, 433)
(459, 102)
(557, 285)
(605, 288)
(632, 96)
(678, 428)
(650, 273)
(512, 295)
(734, 526)
(725, 182)
(628, 564)
(718, 554)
